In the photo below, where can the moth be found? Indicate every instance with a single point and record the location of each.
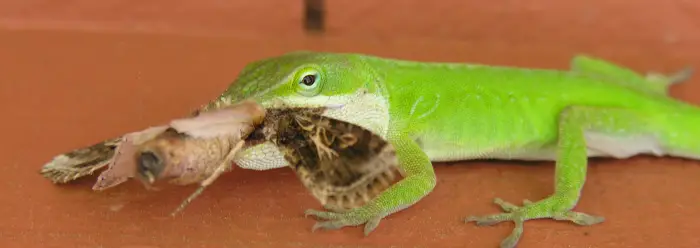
(80, 162)
(186, 150)
(342, 165)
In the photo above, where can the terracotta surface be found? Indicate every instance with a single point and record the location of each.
(81, 71)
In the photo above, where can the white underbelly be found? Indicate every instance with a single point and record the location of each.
(597, 145)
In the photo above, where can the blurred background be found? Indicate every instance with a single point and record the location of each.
(75, 72)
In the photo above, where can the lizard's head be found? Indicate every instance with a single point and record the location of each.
(344, 83)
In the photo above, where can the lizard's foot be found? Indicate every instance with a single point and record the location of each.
(547, 208)
(337, 220)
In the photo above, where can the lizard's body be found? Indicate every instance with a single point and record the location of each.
(435, 112)
(462, 111)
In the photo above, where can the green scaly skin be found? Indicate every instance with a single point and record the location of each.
(433, 112)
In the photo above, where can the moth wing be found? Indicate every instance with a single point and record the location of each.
(234, 120)
(80, 162)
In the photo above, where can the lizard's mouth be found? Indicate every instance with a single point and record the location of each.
(368, 110)
(335, 106)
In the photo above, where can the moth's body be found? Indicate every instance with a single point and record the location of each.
(434, 112)
(342, 165)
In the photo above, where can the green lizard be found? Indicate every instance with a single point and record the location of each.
(434, 112)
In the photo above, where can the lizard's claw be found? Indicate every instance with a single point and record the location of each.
(543, 209)
(336, 220)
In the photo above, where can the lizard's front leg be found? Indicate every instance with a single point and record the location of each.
(418, 182)
(570, 170)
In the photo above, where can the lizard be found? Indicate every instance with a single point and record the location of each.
(434, 112)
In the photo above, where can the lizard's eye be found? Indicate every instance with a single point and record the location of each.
(309, 82)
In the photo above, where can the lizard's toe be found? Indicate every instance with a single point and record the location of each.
(328, 225)
(327, 215)
(579, 218)
(548, 208)
(511, 212)
(489, 220)
(506, 206)
(335, 220)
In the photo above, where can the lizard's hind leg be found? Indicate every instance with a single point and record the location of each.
(613, 73)
(615, 131)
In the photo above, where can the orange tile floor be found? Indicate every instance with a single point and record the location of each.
(71, 75)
